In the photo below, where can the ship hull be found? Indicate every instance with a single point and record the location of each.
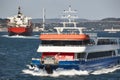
(22, 31)
(89, 65)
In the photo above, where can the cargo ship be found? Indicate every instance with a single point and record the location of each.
(19, 25)
(71, 48)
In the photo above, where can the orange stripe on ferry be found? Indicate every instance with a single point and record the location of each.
(64, 37)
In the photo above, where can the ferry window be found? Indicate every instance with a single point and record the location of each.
(92, 41)
(99, 54)
(81, 55)
(71, 31)
(113, 53)
(119, 41)
(107, 41)
(113, 41)
(64, 43)
(118, 51)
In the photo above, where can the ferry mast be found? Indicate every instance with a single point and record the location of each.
(43, 19)
(70, 15)
(69, 18)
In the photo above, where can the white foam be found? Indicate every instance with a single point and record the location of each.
(1, 53)
(70, 72)
(59, 72)
(56, 73)
(106, 70)
(24, 37)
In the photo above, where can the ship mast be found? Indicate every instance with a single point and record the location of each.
(70, 15)
(19, 10)
(43, 19)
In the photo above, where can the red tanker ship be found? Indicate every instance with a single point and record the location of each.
(19, 25)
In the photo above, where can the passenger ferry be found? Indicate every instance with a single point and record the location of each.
(112, 30)
(70, 48)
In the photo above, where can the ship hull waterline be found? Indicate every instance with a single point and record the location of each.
(22, 31)
(89, 65)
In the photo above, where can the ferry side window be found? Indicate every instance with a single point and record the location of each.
(118, 51)
(100, 41)
(119, 41)
(99, 54)
(113, 53)
(80, 55)
(92, 41)
(113, 41)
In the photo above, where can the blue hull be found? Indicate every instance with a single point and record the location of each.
(89, 65)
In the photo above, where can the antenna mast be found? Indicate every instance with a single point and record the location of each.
(69, 14)
(43, 18)
(19, 10)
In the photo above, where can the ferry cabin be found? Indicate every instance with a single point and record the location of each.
(66, 49)
(77, 51)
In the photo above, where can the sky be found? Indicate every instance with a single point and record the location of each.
(87, 9)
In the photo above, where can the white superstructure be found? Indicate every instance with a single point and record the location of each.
(19, 20)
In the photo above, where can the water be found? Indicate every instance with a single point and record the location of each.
(16, 53)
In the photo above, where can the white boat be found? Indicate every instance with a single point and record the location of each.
(72, 50)
(112, 30)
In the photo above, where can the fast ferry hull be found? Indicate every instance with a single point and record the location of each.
(23, 31)
(89, 65)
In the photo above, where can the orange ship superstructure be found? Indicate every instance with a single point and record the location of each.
(64, 37)
(19, 25)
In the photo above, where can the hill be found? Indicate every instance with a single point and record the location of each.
(111, 19)
(56, 20)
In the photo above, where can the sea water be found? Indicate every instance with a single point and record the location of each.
(16, 53)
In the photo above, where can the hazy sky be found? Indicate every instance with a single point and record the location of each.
(88, 9)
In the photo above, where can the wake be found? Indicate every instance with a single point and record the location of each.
(106, 70)
(23, 37)
(59, 72)
(56, 73)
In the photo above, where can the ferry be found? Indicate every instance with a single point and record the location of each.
(19, 25)
(69, 48)
(112, 30)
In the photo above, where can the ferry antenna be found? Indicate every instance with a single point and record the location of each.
(43, 18)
